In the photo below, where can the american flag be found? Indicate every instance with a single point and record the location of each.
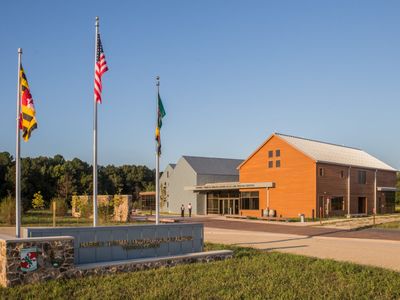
(101, 68)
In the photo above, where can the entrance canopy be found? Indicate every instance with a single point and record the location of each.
(228, 186)
(386, 189)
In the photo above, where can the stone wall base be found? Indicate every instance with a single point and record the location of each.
(53, 258)
(149, 263)
(114, 267)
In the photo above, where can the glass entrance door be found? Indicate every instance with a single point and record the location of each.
(229, 206)
(236, 206)
(226, 207)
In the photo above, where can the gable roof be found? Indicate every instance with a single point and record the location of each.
(213, 165)
(331, 153)
(172, 165)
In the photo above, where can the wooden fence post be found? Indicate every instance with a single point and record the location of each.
(54, 213)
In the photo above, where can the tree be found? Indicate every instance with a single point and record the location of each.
(58, 177)
(38, 201)
(149, 186)
(6, 162)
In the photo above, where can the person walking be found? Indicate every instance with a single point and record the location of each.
(190, 210)
(183, 211)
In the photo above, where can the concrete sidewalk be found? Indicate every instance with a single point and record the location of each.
(379, 253)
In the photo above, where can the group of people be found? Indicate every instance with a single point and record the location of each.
(189, 207)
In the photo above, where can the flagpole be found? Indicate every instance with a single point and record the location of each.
(157, 159)
(18, 155)
(95, 136)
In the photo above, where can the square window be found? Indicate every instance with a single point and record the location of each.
(270, 153)
(270, 164)
(337, 203)
(278, 164)
(278, 153)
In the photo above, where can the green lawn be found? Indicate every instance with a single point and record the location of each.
(391, 225)
(45, 218)
(251, 274)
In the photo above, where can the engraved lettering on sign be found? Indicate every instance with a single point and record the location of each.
(135, 244)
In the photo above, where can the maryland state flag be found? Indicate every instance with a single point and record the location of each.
(27, 119)
(160, 115)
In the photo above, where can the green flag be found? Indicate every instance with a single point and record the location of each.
(161, 111)
(160, 114)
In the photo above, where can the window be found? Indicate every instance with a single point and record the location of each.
(342, 174)
(278, 153)
(390, 200)
(278, 164)
(270, 153)
(249, 200)
(321, 172)
(270, 164)
(362, 177)
(337, 203)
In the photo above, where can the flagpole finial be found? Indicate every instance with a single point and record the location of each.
(19, 50)
(97, 21)
(158, 80)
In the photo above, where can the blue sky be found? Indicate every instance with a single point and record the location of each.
(232, 72)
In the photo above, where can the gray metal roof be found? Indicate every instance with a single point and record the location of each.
(213, 166)
(336, 154)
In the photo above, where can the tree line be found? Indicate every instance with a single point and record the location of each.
(58, 177)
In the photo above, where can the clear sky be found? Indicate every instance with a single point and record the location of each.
(232, 72)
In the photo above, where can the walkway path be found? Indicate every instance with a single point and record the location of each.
(380, 253)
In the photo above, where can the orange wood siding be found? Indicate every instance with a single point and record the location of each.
(295, 180)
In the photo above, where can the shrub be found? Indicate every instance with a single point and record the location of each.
(117, 201)
(136, 205)
(61, 206)
(38, 201)
(86, 208)
(116, 207)
(7, 210)
(26, 204)
(105, 211)
(75, 201)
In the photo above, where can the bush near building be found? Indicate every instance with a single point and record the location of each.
(7, 210)
(38, 201)
(61, 206)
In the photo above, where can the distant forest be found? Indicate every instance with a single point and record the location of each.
(58, 177)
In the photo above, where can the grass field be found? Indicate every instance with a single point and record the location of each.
(251, 274)
(45, 218)
(391, 225)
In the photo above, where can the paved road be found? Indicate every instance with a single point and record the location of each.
(379, 253)
(258, 226)
(376, 247)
